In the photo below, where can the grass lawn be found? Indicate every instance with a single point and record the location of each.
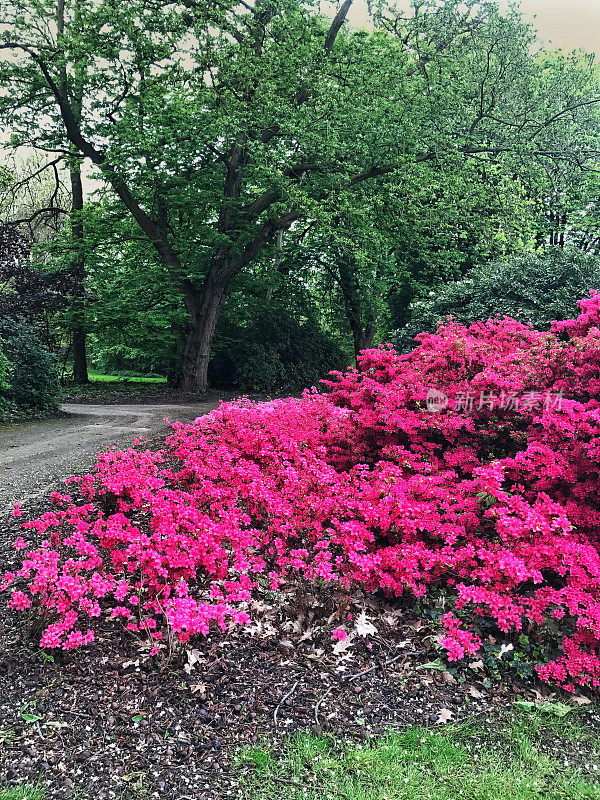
(100, 377)
(25, 792)
(525, 758)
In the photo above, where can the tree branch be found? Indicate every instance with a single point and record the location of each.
(336, 25)
(36, 214)
(254, 247)
(143, 219)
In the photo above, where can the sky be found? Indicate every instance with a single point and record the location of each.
(566, 24)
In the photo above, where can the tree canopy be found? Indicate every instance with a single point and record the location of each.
(218, 126)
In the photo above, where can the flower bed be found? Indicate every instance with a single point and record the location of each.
(489, 493)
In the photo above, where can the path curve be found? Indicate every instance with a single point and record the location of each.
(36, 457)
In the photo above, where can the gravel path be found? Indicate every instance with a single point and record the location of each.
(37, 456)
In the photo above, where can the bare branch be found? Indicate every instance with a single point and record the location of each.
(54, 210)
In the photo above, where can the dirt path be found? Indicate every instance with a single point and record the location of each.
(37, 456)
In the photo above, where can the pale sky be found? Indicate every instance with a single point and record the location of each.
(566, 24)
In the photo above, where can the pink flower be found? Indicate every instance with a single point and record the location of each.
(19, 601)
(362, 488)
(339, 634)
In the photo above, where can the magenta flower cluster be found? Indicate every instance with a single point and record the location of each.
(497, 506)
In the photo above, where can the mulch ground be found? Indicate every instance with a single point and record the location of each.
(107, 722)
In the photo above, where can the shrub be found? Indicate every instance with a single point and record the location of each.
(273, 352)
(4, 369)
(31, 370)
(535, 288)
(492, 498)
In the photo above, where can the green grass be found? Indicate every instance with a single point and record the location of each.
(24, 792)
(451, 764)
(100, 377)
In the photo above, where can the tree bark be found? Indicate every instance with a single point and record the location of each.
(77, 266)
(362, 334)
(80, 370)
(204, 306)
(79, 333)
(363, 338)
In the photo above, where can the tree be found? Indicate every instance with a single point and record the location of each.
(218, 125)
(534, 288)
(419, 230)
(53, 205)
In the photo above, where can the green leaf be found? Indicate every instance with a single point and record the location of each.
(547, 707)
(30, 717)
(438, 664)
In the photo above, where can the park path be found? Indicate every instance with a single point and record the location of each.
(36, 457)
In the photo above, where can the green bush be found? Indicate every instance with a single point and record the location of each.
(273, 352)
(4, 368)
(535, 287)
(5, 365)
(30, 375)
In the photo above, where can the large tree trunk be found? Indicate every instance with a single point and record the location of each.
(80, 371)
(77, 266)
(363, 337)
(204, 307)
(362, 334)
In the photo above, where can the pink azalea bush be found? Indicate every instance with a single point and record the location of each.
(492, 499)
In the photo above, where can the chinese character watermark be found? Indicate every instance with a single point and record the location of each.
(438, 400)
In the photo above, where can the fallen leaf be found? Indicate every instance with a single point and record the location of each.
(392, 617)
(505, 648)
(475, 693)
(259, 606)
(340, 648)
(581, 700)
(199, 688)
(556, 709)
(295, 626)
(444, 716)
(363, 626)
(309, 633)
(316, 655)
(136, 778)
(476, 665)
(193, 657)
(448, 677)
